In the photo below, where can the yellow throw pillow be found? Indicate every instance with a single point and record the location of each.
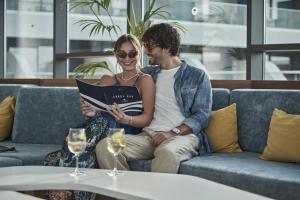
(283, 142)
(222, 130)
(6, 116)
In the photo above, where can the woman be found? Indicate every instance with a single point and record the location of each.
(127, 50)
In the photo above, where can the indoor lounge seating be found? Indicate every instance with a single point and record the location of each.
(44, 114)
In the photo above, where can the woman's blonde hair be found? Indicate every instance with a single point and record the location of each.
(127, 38)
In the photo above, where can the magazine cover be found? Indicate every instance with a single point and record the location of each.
(100, 97)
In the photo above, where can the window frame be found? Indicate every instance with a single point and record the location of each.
(255, 50)
(256, 46)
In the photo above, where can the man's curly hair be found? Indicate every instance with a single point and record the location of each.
(163, 35)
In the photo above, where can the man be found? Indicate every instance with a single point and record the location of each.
(182, 107)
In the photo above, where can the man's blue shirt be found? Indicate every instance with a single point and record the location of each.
(194, 97)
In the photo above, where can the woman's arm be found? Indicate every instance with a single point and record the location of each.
(147, 91)
(87, 110)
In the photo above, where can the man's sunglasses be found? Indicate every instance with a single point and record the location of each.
(130, 54)
(150, 46)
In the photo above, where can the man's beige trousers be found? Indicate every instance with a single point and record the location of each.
(165, 158)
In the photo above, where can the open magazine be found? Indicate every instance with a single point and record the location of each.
(100, 97)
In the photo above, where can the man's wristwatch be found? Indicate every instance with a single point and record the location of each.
(176, 131)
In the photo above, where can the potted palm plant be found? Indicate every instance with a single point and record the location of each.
(96, 26)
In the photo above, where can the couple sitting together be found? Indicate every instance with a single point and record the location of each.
(177, 100)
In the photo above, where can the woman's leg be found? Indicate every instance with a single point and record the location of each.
(138, 147)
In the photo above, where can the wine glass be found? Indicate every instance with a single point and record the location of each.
(115, 144)
(76, 144)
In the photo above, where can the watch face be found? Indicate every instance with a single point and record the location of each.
(176, 130)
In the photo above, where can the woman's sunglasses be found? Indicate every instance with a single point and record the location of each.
(130, 54)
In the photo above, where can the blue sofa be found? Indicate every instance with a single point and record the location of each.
(44, 114)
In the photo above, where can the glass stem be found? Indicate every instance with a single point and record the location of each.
(115, 164)
(76, 169)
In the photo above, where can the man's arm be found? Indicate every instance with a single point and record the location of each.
(151, 70)
(201, 107)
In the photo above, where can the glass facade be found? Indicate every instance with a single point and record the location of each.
(282, 21)
(282, 66)
(216, 37)
(29, 37)
(81, 40)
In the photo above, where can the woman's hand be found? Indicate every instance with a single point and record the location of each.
(87, 109)
(118, 114)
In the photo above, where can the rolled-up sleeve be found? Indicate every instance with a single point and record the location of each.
(201, 106)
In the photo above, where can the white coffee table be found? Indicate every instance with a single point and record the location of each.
(132, 185)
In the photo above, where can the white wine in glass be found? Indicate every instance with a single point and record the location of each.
(115, 144)
(76, 144)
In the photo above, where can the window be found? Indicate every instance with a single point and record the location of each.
(282, 66)
(281, 43)
(80, 41)
(29, 39)
(216, 36)
(283, 21)
(216, 39)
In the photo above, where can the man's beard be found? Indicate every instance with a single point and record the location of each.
(153, 61)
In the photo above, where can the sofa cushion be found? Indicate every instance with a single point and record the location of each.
(29, 154)
(8, 162)
(284, 138)
(11, 89)
(44, 115)
(222, 130)
(7, 107)
(8, 90)
(220, 98)
(140, 165)
(254, 111)
(246, 171)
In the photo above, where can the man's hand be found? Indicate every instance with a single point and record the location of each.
(161, 136)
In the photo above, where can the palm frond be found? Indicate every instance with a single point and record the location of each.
(106, 3)
(179, 26)
(80, 3)
(87, 70)
(96, 26)
(159, 11)
(149, 10)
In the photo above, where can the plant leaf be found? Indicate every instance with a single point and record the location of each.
(88, 69)
(179, 26)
